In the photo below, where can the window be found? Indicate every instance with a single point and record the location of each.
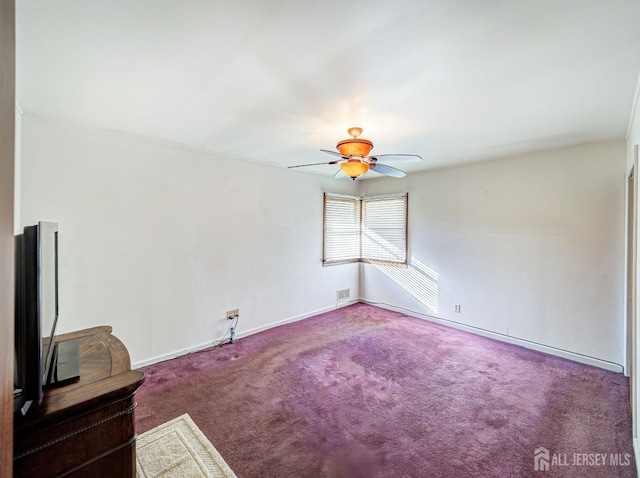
(370, 229)
(384, 229)
(341, 229)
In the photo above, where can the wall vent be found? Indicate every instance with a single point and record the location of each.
(343, 294)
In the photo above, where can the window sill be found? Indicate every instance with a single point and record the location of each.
(403, 265)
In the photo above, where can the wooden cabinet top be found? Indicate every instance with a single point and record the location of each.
(105, 375)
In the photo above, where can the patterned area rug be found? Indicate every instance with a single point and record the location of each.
(178, 449)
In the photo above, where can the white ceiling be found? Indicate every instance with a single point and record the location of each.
(276, 80)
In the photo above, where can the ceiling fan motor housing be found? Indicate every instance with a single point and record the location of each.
(355, 147)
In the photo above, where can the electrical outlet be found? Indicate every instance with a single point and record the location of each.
(233, 314)
(456, 308)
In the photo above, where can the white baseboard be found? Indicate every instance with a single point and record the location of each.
(506, 338)
(296, 318)
(485, 333)
(246, 333)
(170, 355)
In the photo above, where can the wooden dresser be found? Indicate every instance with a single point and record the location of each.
(85, 428)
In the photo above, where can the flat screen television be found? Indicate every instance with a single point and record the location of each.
(39, 361)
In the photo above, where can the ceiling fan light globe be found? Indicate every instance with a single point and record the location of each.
(354, 168)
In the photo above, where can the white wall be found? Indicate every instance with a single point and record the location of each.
(159, 241)
(530, 247)
(16, 167)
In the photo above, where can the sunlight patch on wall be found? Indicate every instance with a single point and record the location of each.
(417, 279)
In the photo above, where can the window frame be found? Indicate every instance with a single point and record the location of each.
(360, 200)
(326, 262)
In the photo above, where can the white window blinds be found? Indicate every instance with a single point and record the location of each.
(365, 229)
(341, 229)
(384, 229)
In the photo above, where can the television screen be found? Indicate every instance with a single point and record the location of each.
(39, 361)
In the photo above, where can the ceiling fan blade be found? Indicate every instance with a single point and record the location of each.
(334, 153)
(396, 158)
(312, 164)
(387, 170)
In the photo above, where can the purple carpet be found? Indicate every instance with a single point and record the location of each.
(365, 392)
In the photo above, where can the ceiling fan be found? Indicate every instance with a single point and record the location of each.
(355, 159)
